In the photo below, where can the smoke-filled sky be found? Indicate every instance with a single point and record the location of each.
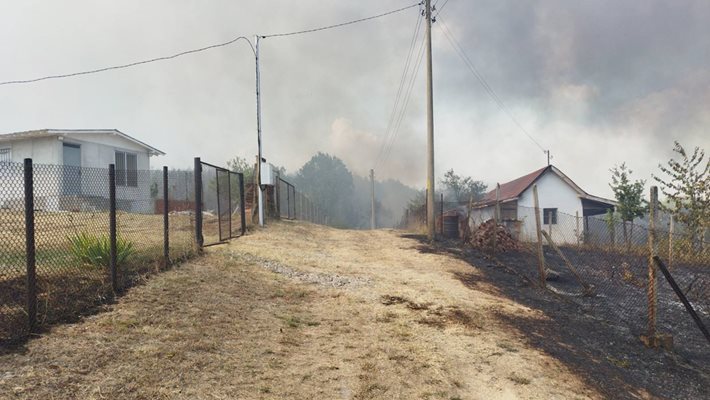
(597, 82)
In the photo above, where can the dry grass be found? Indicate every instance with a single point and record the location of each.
(52, 229)
(260, 318)
(66, 288)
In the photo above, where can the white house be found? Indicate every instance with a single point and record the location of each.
(563, 205)
(71, 167)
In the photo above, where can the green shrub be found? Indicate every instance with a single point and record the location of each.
(96, 250)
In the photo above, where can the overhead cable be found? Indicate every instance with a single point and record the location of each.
(488, 89)
(398, 97)
(340, 24)
(198, 50)
(133, 64)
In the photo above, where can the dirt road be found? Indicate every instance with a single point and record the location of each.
(301, 311)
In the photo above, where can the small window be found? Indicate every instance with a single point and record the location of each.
(548, 213)
(126, 169)
(5, 155)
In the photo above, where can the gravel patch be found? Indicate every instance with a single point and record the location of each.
(317, 278)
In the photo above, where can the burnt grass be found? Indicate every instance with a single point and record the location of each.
(597, 335)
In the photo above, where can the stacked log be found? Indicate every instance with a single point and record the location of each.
(482, 237)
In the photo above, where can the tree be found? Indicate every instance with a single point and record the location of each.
(239, 164)
(629, 195)
(329, 184)
(611, 218)
(463, 188)
(687, 188)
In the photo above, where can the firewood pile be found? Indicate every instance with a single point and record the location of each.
(482, 237)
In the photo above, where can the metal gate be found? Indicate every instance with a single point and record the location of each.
(286, 199)
(222, 206)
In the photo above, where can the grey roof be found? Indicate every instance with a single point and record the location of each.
(10, 137)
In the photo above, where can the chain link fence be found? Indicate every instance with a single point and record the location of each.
(605, 265)
(72, 237)
(59, 258)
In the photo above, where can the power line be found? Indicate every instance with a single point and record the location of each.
(489, 90)
(341, 24)
(201, 49)
(133, 64)
(438, 11)
(405, 73)
(403, 110)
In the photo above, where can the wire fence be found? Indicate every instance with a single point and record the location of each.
(414, 218)
(292, 204)
(71, 238)
(605, 265)
(59, 224)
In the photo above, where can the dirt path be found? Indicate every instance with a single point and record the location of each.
(299, 311)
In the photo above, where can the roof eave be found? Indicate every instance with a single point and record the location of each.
(492, 203)
(151, 150)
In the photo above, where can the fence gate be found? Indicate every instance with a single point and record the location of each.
(286, 199)
(222, 205)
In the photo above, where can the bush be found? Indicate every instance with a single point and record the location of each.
(96, 250)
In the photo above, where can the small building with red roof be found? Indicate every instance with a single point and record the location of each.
(564, 207)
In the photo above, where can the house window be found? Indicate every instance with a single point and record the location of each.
(5, 155)
(126, 169)
(547, 213)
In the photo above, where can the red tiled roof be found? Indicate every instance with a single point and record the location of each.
(514, 188)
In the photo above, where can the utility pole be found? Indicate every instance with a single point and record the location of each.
(372, 197)
(430, 129)
(258, 131)
(548, 156)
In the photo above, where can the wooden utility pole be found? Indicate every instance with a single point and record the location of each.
(496, 218)
(372, 199)
(670, 245)
(538, 229)
(653, 251)
(430, 128)
(652, 338)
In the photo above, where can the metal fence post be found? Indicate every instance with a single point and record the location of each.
(496, 217)
(277, 195)
(166, 222)
(229, 192)
(288, 202)
(442, 214)
(219, 207)
(30, 247)
(112, 226)
(199, 240)
(242, 204)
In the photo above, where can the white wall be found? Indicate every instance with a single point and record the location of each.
(553, 192)
(41, 150)
(97, 152)
(480, 215)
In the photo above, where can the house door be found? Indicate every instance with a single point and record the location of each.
(71, 171)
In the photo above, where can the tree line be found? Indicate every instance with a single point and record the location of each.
(340, 194)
